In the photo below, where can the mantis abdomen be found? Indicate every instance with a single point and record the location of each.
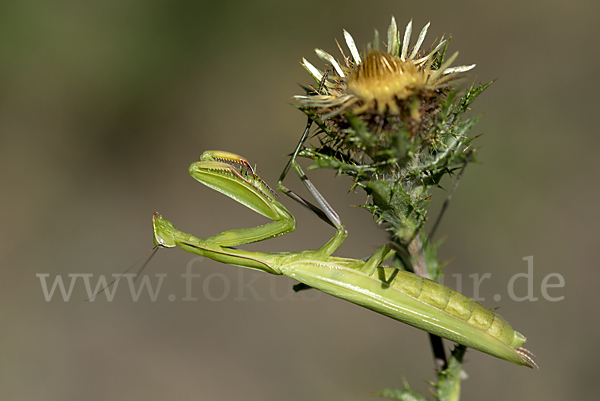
(419, 302)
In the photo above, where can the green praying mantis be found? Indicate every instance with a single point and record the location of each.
(401, 295)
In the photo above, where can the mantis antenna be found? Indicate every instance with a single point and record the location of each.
(137, 274)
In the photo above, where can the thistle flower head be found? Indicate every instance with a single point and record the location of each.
(392, 118)
(384, 83)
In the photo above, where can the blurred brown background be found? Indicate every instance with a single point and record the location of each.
(103, 105)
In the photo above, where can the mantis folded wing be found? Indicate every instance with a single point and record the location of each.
(401, 295)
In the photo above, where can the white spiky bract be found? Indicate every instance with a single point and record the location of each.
(379, 82)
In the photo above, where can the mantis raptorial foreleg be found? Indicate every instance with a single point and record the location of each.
(233, 176)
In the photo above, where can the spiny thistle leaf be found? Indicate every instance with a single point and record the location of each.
(395, 207)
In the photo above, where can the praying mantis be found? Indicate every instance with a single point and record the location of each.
(401, 295)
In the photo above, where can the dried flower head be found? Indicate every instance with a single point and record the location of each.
(377, 82)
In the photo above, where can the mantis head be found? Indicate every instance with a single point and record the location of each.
(163, 231)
